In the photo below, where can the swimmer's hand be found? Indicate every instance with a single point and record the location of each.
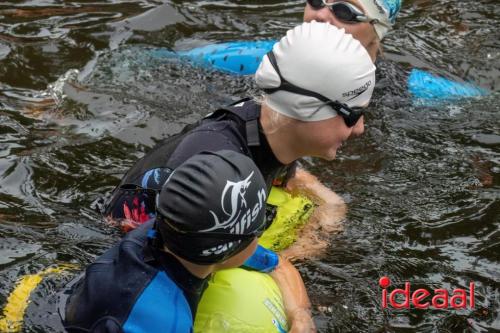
(295, 298)
(327, 218)
(308, 185)
(301, 321)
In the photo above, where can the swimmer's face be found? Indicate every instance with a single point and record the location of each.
(238, 259)
(323, 138)
(364, 32)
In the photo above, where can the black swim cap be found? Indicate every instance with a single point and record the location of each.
(212, 207)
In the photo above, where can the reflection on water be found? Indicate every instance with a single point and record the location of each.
(422, 184)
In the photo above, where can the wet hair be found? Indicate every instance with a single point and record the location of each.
(276, 119)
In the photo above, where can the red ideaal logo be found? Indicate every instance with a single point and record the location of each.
(440, 297)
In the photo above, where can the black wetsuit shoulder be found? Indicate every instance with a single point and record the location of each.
(225, 130)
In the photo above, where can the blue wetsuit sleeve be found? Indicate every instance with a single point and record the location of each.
(263, 260)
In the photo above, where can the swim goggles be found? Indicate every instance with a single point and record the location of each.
(344, 11)
(350, 115)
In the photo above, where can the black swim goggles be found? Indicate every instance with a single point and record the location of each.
(209, 234)
(350, 115)
(344, 11)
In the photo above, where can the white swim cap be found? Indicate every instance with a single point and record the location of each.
(322, 59)
(384, 11)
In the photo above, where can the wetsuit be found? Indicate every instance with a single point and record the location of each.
(134, 288)
(236, 128)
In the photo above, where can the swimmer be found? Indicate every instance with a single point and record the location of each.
(368, 21)
(152, 280)
(316, 81)
(312, 105)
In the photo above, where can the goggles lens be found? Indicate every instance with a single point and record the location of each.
(344, 11)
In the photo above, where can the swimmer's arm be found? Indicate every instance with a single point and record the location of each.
(295, 298)
(308, 185)
(326, 219)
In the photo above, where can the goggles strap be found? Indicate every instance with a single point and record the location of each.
(287, 86)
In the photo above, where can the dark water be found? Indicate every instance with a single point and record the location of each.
(422, 184)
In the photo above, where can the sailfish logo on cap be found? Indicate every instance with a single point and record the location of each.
(233, 203)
